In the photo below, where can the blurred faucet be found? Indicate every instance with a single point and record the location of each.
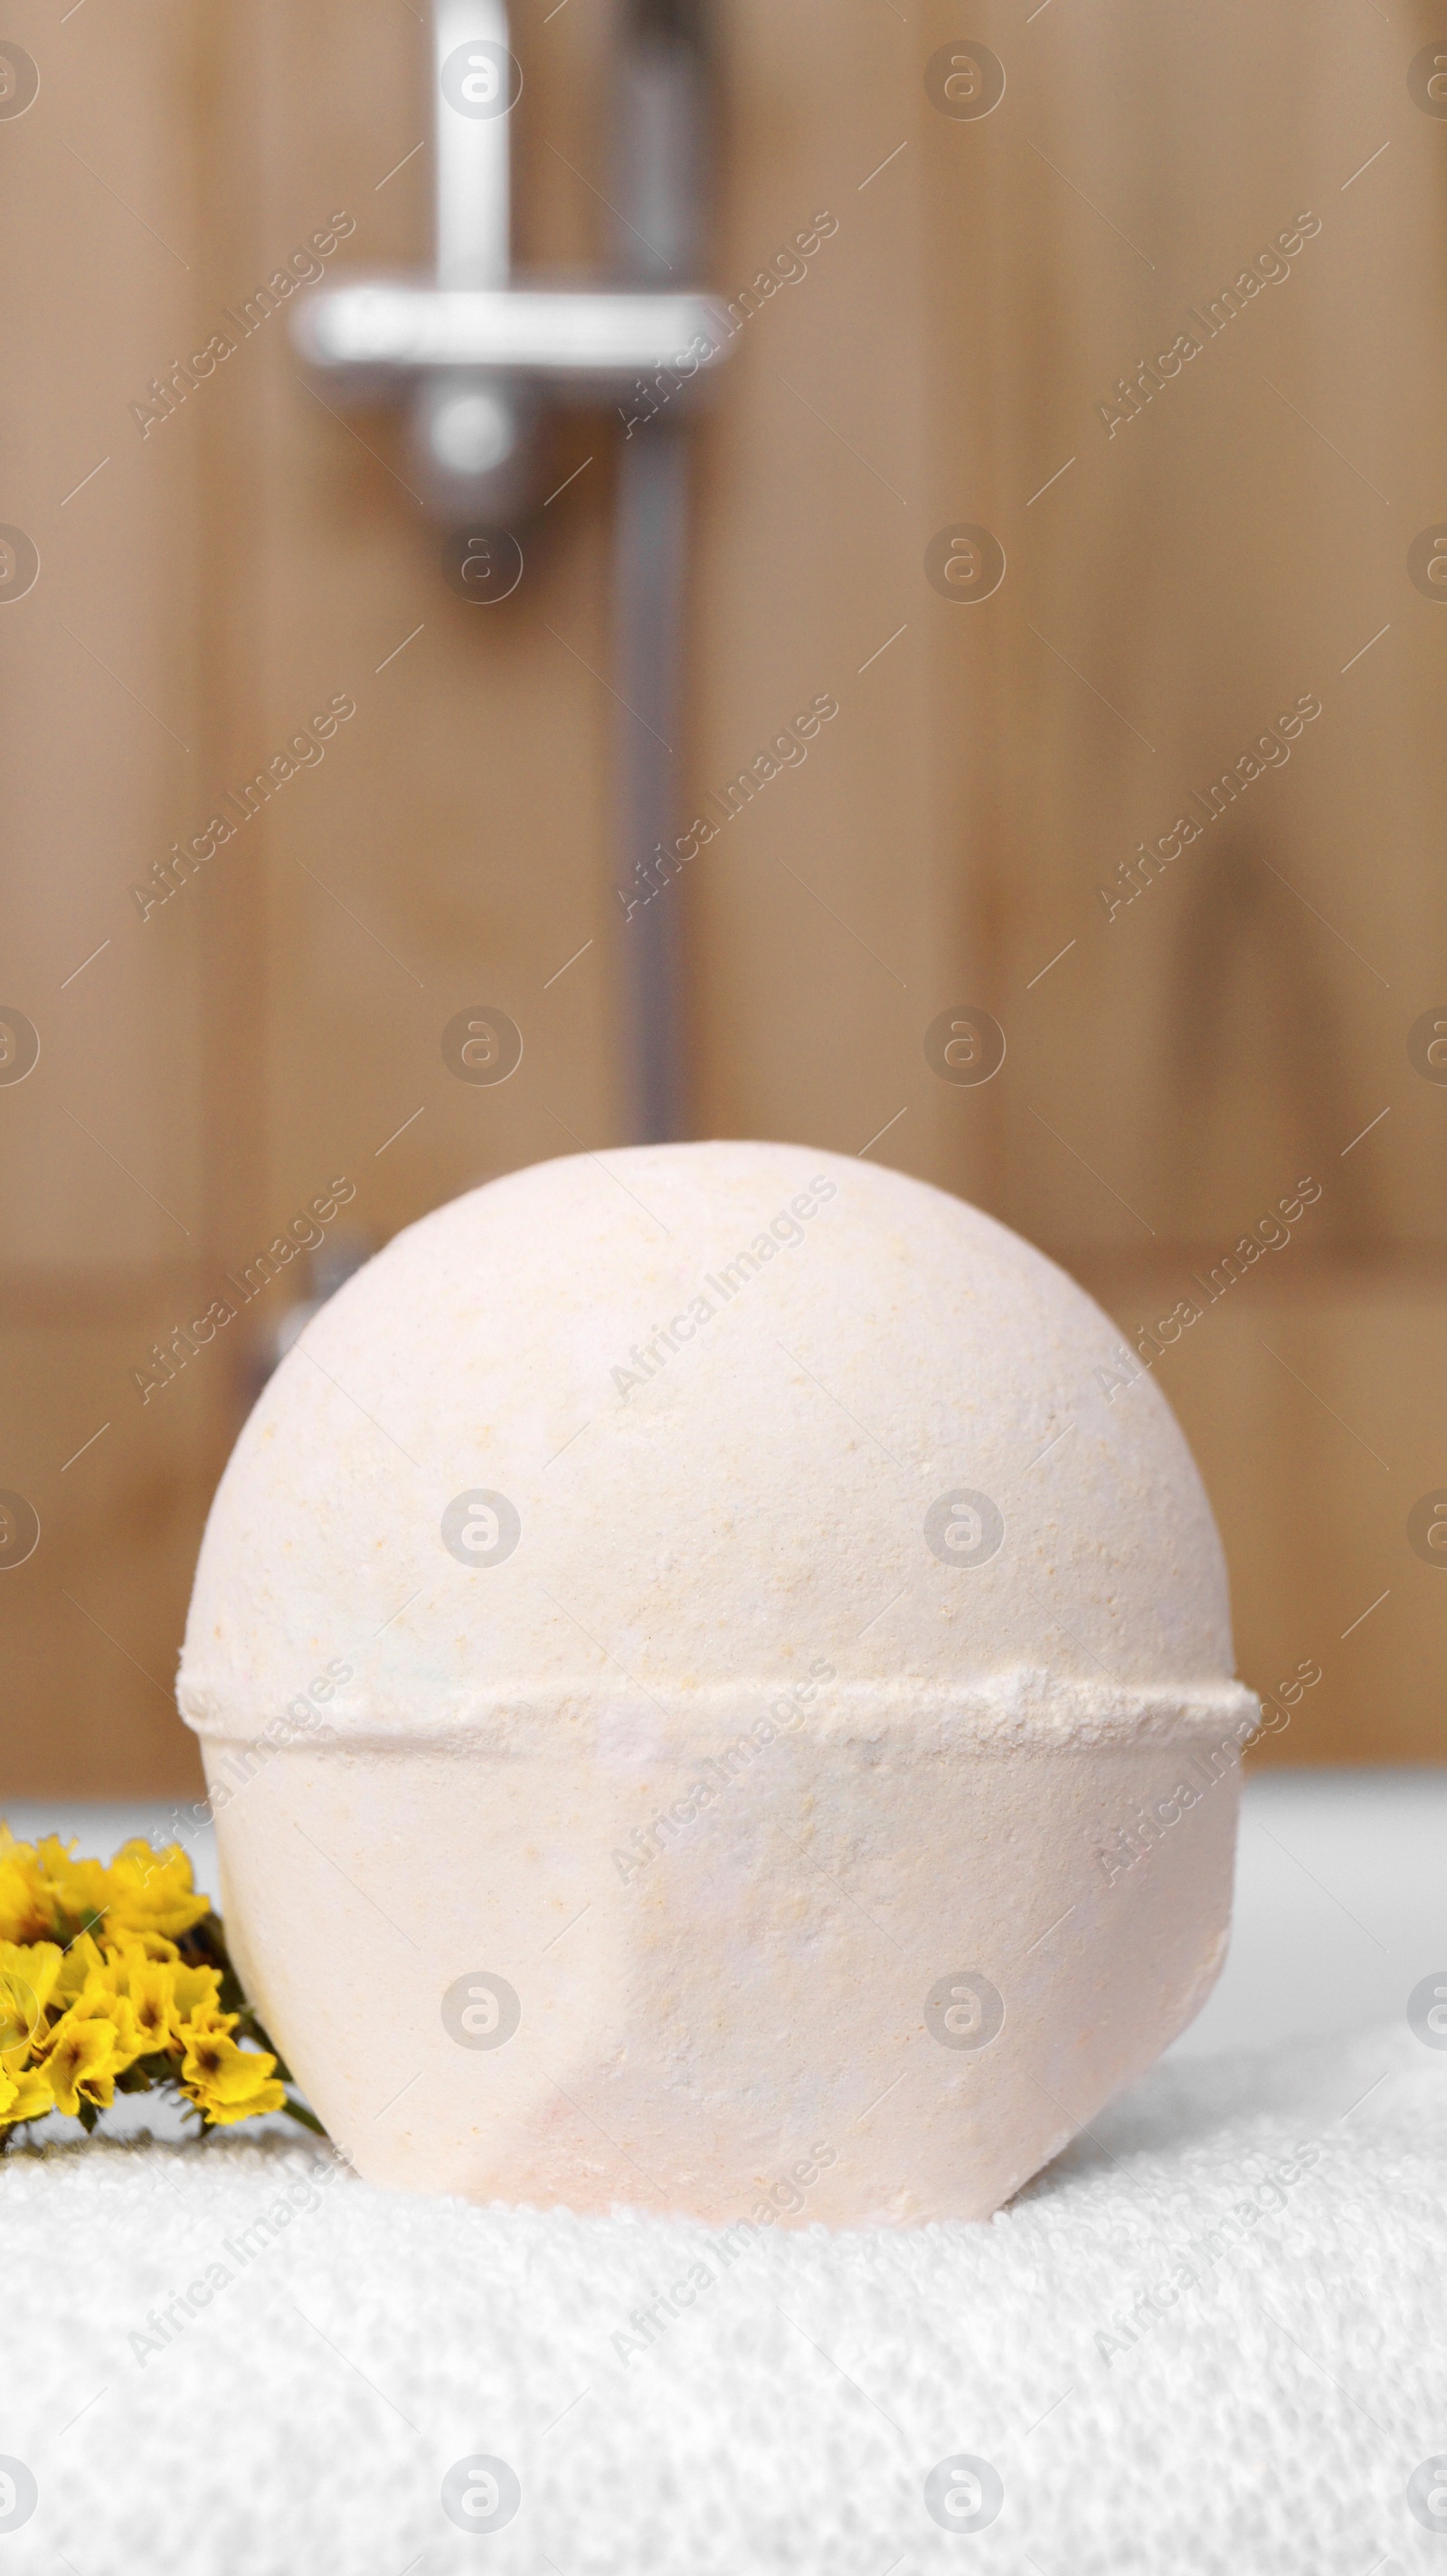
(660, 189)
(330, 1266)
(475, 72)
(481, 358)
(475, 435)
(480, 355)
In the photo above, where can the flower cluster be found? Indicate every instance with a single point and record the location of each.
(116, 1979)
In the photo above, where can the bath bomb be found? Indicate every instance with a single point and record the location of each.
(713, 1669)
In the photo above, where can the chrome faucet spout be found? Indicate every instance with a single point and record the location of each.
(476, 437)
(486, 361)
(477, 84)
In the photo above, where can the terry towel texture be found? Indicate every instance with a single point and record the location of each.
(1211, 2338)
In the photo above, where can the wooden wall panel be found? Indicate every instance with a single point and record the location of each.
(818, 919)
(454, 845)
(1302, 1395)
(1179, 576)
(1171, 1070)
(102, 1148)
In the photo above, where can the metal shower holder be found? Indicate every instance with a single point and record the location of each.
(483, 357)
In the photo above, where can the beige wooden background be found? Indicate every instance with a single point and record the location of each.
(1171, 1071)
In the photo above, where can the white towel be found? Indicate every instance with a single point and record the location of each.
(1209, 2338)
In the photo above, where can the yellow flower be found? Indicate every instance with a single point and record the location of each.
(92, 1979)
(152, 1891)
(149, 1986)
(43, 1888)
(196, 2000)
(83, 2057)
(28, 1971)
(84, 1968)
(76, 1890)
(227, 2082)
(24, 2096)
(25, 1906)
(120, 2012)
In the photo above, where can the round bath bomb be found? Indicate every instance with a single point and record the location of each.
(712, 1663)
